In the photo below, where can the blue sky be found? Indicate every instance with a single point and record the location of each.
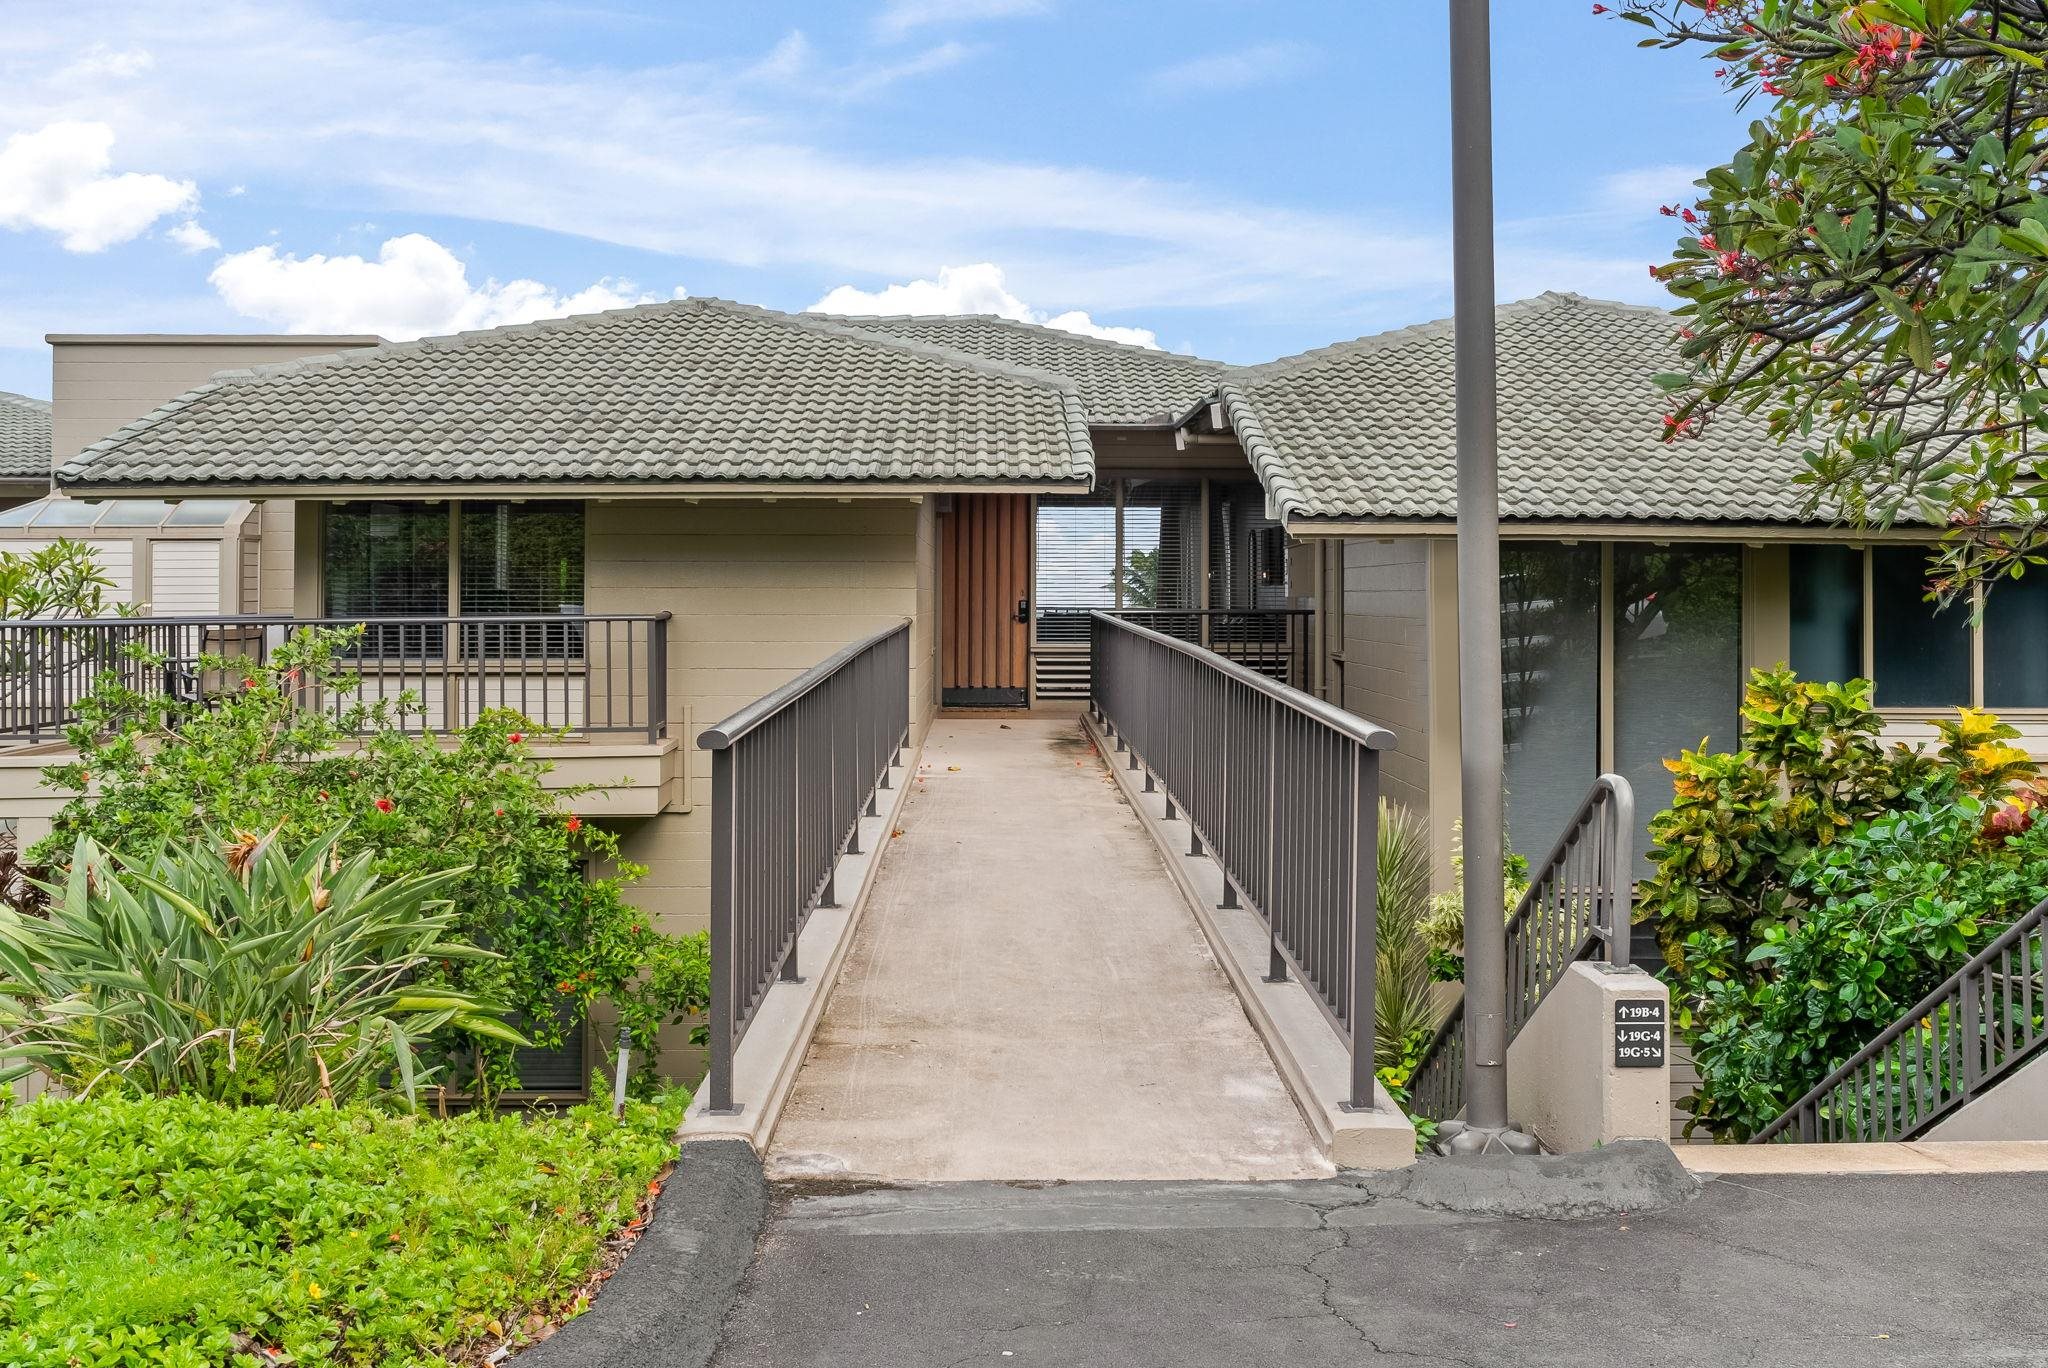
(1235, 179)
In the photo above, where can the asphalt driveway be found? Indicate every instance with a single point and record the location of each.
(1774, 1270)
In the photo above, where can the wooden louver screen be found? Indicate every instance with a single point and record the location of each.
(987, 560)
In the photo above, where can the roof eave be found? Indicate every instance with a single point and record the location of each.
(564, 489)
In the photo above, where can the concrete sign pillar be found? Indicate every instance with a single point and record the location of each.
(1594, 1063)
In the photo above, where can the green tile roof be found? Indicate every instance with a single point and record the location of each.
(24, 437)
(1120, 383)
(696, 391)
(1364, 429)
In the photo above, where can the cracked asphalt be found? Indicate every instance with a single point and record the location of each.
(1779, 1271)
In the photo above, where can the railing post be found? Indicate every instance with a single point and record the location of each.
(1365, 904)
(1968, 992)
(723, 984)
(657, 679)
(1276, 963)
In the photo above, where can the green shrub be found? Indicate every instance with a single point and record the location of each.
(254, 756)
(177, 1232)
(1815, 883)
(1889, 910)
(236, 973)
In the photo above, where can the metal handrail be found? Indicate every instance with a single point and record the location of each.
(1580, 900)
(1272, 641)
(1284, 790)
(792, 774)
(1984, 1021)
(581, 672)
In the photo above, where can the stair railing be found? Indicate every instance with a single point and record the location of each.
(1947, 1049)
(1577, 907)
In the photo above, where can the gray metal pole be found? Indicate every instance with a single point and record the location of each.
(1482, 743)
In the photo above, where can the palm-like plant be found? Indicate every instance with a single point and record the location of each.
(233, 971)
(1405, 1006)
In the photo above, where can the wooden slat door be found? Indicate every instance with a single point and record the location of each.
(985, 643)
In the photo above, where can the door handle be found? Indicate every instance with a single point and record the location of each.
(1024, 610)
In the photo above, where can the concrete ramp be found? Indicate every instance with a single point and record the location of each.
(1028, 996)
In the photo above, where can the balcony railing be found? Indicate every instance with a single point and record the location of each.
(589, 675)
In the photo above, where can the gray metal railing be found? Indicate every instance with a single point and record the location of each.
(1578, 903)
(1947, 1049)
(1273, 641)
(792, 774)
(1284, 791)
(584, 673)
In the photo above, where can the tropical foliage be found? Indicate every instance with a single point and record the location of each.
(236, 973)
(1406, 1003)
(1870, 269)
(289, 746)
(176, 1233)
(1814, 884)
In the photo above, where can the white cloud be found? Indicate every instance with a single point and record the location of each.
(415, 287)
(899, 17)
(976, 289)
(190, 236)
(57, 179)
(710, 160)
(102, 63)
(1641, 191)
(1258, 64)
(793, 67)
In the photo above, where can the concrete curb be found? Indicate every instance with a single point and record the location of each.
(1886, 1157)
(666, 1304)
(765, 1064)
(1312, 1060)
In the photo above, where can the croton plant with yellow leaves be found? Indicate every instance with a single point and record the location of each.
(1816, 882)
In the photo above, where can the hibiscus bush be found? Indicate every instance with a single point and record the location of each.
(290, 746)
(1816, 883)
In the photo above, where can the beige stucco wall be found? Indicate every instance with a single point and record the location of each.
(99, 382)
(760, 592)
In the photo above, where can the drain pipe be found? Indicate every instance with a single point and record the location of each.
(1482, 742)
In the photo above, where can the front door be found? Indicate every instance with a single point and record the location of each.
(986, 555)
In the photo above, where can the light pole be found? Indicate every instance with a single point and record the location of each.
(1483, 744)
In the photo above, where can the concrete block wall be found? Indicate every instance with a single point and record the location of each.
(760, 591)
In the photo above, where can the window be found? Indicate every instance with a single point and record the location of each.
(2016, 643)
(1075, 562)
(1918, 655)
(1162, 544)
(1550, 685)
(388, 559)
(1677, 662)
(1613, 657)
(523, 560)
(1827, 612)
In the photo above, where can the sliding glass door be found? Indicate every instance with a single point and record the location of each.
(1614, 656)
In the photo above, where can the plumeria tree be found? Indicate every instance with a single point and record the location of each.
(1870, 269)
